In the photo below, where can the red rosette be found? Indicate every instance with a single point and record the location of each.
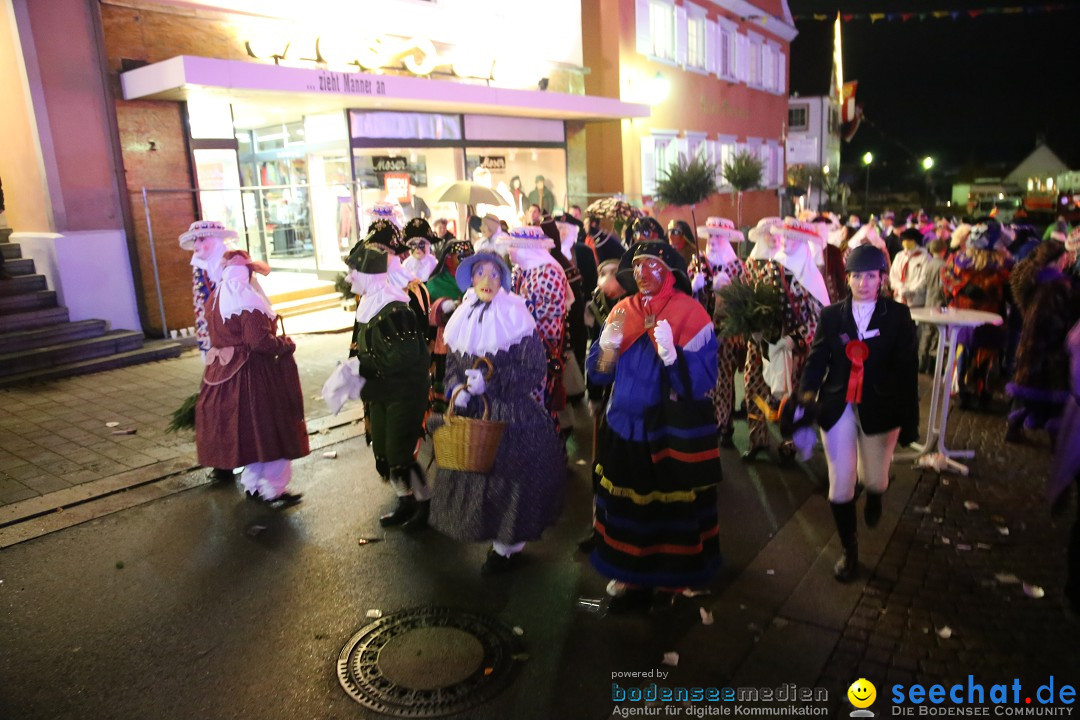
(857, 351)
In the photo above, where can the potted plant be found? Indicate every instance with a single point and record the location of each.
(686, 183)
(742, 172)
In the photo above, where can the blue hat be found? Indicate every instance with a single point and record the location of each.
(866, 258)
(465, 270)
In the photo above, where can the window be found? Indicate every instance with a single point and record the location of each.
(658, 152)
(696, 56)
(662, 29)
(696, 146)
(725, 60)
(797, 117)
(726, 148)
(754, 78)
(768, 72)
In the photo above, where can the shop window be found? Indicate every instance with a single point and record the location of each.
(521, 177)
(797, 118)
(403, 125)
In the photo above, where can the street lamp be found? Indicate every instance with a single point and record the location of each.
(867, 158)
(927, 163)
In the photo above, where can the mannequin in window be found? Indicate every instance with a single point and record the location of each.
(541, 195)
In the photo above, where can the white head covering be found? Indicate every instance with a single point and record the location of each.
(377, 290)
(530, 249)
(718, 234)
(568, 233)
(868, 235)
(236, 293)
(798, 257)
(218, 240)
(765, 245)
(478, 328)
(420, 268)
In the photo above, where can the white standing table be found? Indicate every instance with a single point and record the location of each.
(933, 453)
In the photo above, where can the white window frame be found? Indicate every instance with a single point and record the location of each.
(726, 32)
(696, 146)
(726, 147)
(697, 38)
(805, 107)
(754, 66)
(774, 166)
(663, 42)
(668, 144)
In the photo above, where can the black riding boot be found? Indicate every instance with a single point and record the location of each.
(848, 565)
(412, 476)
(406, 509)
(872, 509)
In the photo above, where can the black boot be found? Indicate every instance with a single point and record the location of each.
(872, 509)
(726, 437)
(403, 512)
(419, 519)
(222, 475)
(847, 567)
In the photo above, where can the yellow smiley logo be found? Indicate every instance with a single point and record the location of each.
(862, 693)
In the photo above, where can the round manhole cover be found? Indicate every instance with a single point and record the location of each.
(427, 662)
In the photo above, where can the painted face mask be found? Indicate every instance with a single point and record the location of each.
(486, 281)
(649, 273)
(205, 247)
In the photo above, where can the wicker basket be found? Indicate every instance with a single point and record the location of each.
(468, 444)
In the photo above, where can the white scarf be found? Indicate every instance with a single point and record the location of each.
(763, 251)
(376, 292)
(800, 261)
(419, 268)
(718, 251)
(478, 328)
(237, 294)
(212, 264)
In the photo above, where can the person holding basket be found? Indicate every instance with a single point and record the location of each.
(495, 364)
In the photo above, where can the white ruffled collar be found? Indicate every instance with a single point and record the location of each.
(420, 269)
(377, 294)
(478, 328)
(237, 293)
(212, 265)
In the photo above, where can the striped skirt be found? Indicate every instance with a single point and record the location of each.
(653, 529)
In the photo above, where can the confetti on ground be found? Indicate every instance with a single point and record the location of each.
(963, 546)
(982, 546)
(373, 613)
(368, 540)
(518, 631)
(971, 505)
(488, 671)
(124, 432)
(330, 454)
(946, 541)
(770, 571)
(581, 462)
(922, 509)
(1033, 591)
(1003, 531)
(687, 592)
(1006, 578)
(112, 424)
(671, 658)
(706, 616)
(945, 633)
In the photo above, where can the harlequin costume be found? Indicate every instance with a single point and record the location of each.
(975, 278)
(720, 266)
(391, 349)
(250, 410)
(522, 493)
(760, 266)
(540, 280)
(653, 530)
(445, 297)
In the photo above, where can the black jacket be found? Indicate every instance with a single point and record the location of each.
(890, 394)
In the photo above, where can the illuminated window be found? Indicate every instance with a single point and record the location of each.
(695, 42)
(658, 153)
(662, 29)
(797, 117)
(725, 48)
(755, 62)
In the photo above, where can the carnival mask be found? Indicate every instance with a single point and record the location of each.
(205, 247)
(486, 281)
(649, 274)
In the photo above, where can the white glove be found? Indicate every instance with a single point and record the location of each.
(345, 383)
(698, 283)
(611, 337)
(461, 399)
(665, 342)
(448, 305)
(804, 439)
(720, 281)
(786, 342)
(474, 382)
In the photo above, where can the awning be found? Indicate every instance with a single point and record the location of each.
(312, 91)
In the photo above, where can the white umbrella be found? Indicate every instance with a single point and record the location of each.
(467, 193)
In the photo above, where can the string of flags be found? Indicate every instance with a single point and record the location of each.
(938, 14)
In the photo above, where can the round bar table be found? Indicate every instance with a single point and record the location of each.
(933, 453)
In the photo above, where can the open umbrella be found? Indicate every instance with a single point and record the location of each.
(467, 193)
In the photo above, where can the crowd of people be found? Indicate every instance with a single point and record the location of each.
(561, 318)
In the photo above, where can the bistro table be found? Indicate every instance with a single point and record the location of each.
(950, 321)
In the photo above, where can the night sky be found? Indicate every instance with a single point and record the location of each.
(974, 93)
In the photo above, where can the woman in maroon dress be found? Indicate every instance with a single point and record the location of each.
(250, 411)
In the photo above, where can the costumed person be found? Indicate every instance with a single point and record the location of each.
(975, 278)
(208, 241)
(387, 211)
(492, 237)
(929, 286)
(542, 197)
(802, 296)
(596, 235)
(656, 513)
(387, 235)
(906, 271)
(723, 267)
(539, 279)
(890, 235)
(682, 238)
(833, 260)
(1040, 385)
(862, 374)
(445, 297)
(760, 266)
(496, 359)
(418, 239)
(250, 410)
(391, 352)
(577, 337)
(1065, 470)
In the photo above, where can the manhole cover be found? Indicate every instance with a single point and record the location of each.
(427, 662)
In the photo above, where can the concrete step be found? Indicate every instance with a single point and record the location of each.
(24, 266)
(156, 350)
(19, 284)
(10, 322)
(315, 290)
(118, 341)
(11, 250)
(50, 335)
(5, 234)
(308, 304)
(36, 300)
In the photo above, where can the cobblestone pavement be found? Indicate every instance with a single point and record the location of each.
(948, 598)
(54, 435)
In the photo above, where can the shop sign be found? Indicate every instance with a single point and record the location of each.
(389, 163)
(494, 163)
(397, 186)
(418, 55)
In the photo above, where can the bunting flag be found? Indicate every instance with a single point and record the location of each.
(941, 14)
(847, 101)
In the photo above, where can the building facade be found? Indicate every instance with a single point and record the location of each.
(813, 141)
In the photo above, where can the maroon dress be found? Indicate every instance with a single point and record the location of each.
(250, 407)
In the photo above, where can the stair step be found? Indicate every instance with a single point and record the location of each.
(16, 285)
(38, 299)
(156, 350)
(50, 335)
(118, 341)
(10, 322)
(5, 234)
(10, 250)
(321, 288)
(308, 305)
(23, 266)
